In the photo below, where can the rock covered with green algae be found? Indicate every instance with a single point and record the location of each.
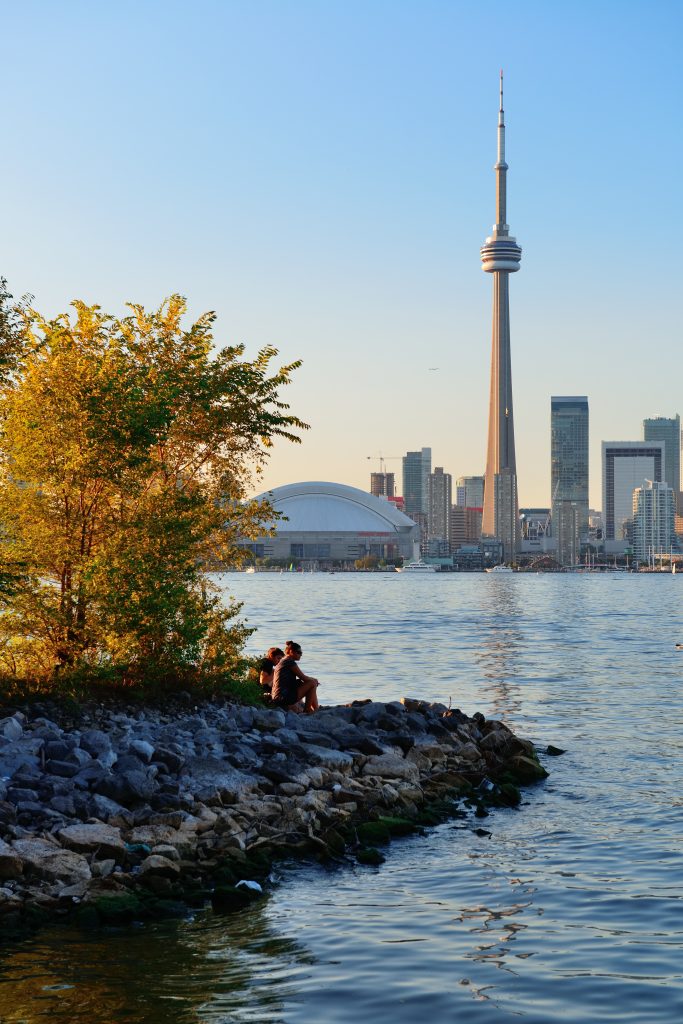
(116, 813)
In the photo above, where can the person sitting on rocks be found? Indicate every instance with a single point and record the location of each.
(266, 669)
(291, 685)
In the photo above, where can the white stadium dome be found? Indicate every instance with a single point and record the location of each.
(334, 521)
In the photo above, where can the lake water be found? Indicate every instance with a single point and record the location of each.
(570, 911)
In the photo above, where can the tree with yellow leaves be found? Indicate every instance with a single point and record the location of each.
(127, 447)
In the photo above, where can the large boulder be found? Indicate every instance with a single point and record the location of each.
(269, 719)
(49, 862)
(390, 766)
(96, 742)
(10, 862)
(156, 866)
(11, 729)
(335, 760)
(102, 841)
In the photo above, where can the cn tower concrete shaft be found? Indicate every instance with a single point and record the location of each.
(501, 256)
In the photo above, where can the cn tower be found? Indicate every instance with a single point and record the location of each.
(500, 256)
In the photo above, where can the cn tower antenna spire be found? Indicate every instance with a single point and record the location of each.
(501, 170)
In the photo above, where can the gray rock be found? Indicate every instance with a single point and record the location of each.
(90, 776)
(337, 760)
(102, 868)
(243, 718)
(64, 805)
(167, 851)
(64, 769)
(27, 775)
(8, 812)
(287, 737)
(129, 762)
(11, 729)
(95, 742)
(59, 749)
(269, 719)
(389, 766)
(50, 862)
(143, 749)
(168, 757)
(292, 789)
(10, 862)
(17, 794)
(102, 841)
(127, 788)
(103, 807)
(79, 757)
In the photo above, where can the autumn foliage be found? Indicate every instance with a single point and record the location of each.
(127, 447)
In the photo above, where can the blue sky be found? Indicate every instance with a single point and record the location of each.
(320, 174)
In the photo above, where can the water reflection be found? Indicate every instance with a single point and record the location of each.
(498, 655)
(210, 969)
(570, 911)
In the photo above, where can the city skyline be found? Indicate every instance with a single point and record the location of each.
(323, 188)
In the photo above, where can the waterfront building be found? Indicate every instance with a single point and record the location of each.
(536, 539)
(416, 469)
(625, 464)
(596, 531)
(440, 489)
(330, 522)
(667, 430)
(469, 491)
(465, 526)
(501, 256)
(678, 524)
(535, 523)
(654, 512)
(382, 485)
(473, 519)
(569, 475)
(456, 527)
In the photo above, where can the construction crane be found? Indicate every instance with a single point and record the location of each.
(383, 459)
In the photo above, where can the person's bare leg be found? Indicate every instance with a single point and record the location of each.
(309, 692)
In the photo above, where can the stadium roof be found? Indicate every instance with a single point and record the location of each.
(323, 507)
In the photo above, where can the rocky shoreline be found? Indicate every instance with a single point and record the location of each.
(113, 814)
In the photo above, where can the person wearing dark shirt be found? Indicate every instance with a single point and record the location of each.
(267, 667)
(290, 684)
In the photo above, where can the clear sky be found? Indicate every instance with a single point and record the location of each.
(320, 174)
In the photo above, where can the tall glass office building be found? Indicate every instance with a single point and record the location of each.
(416, 469)
(569, 474)
(660, 428)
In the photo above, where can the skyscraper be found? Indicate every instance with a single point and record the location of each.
(669, 431)
(569, 475)
(654, 513)
(382, 485)
(625, 465)
(440, 488)
(469, 491)
(500, 256)
(416, 469)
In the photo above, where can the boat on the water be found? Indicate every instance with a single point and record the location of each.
(418, 567)
(499, 568)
